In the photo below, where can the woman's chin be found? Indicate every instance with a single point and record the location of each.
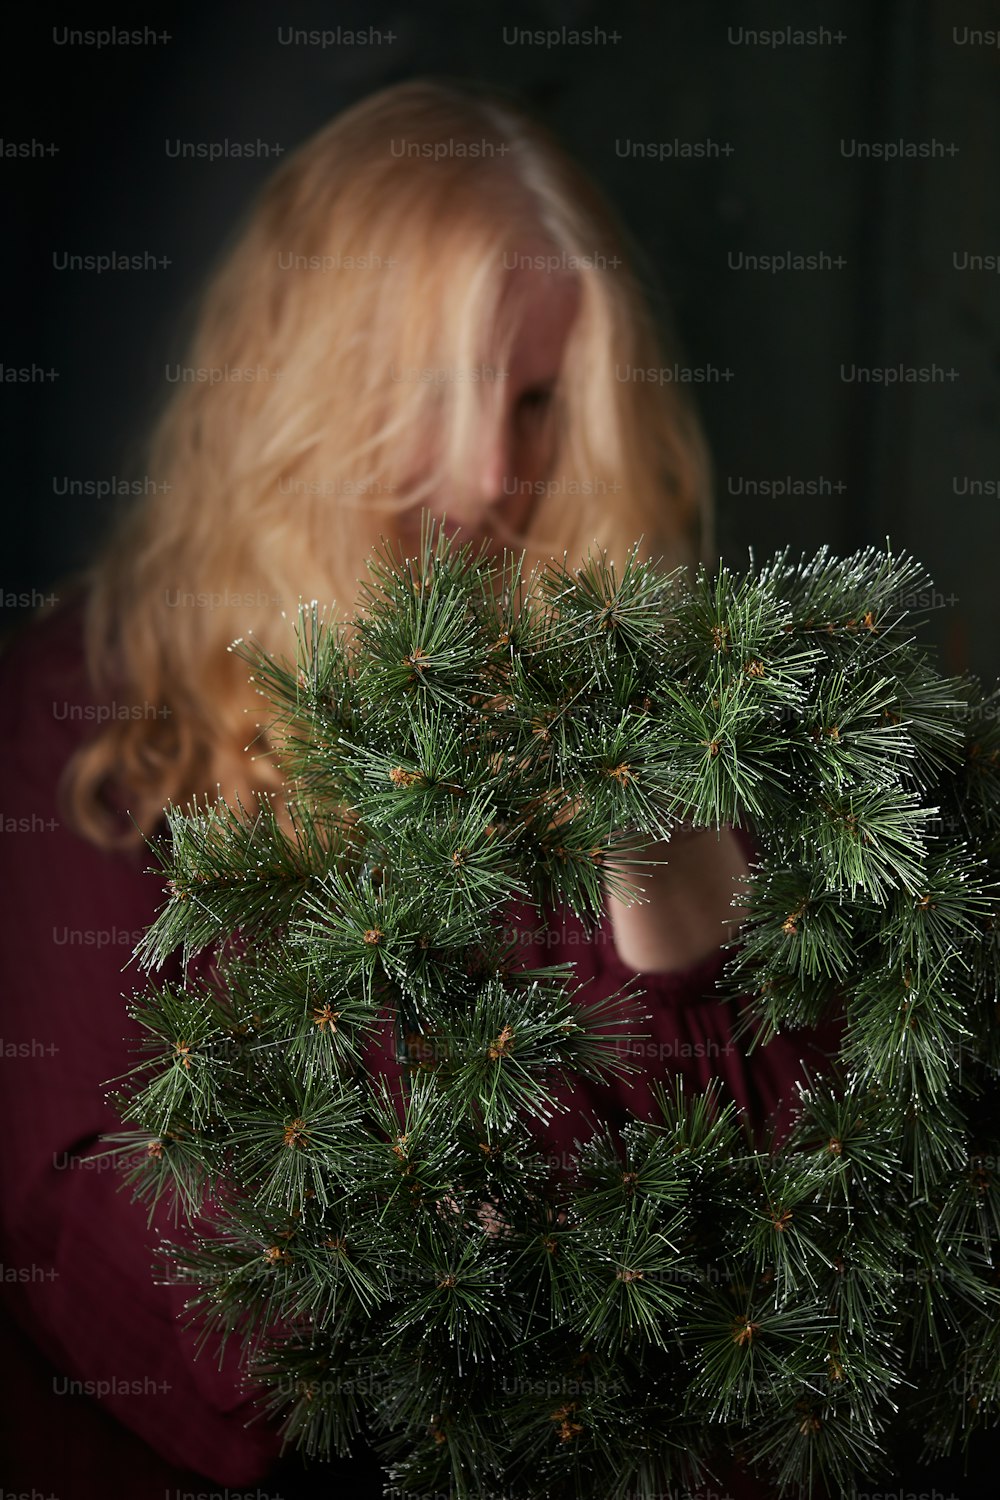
(465, 536)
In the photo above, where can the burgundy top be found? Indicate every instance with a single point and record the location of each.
(112, 1370)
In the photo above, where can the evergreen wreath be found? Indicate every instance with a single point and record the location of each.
(405, 1259)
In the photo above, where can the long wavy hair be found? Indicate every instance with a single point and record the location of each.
(378, 252)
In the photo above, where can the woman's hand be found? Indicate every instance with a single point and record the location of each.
(689, 906)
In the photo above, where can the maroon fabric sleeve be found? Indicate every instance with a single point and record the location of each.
(77, 1253)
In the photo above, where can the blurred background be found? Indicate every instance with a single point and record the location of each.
(847, 398)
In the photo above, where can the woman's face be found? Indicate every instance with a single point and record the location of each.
(518, 454)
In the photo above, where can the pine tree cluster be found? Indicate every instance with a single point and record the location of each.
(402, 1257)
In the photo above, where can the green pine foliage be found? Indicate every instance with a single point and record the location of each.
(401, 1255)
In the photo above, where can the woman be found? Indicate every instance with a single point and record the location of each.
(429, 307)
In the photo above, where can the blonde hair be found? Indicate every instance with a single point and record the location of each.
(287, 446)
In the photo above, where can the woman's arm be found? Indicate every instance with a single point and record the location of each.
(78, 1252)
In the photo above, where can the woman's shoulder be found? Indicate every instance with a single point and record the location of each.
(48, 646)
(48, 703)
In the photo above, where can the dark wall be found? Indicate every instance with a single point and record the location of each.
(918, 459)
